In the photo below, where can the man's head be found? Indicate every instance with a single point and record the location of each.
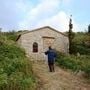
(49, 47)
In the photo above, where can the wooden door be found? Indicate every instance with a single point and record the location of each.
(48, 41)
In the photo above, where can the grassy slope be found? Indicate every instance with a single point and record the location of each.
(14, 65)
(75, 63)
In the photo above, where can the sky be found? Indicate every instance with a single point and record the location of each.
(32, 14)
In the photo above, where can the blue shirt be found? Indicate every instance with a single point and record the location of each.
(51, 55)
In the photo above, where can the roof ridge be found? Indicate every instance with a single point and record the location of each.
(42, 28)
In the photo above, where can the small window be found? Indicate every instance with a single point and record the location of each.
(35, 47)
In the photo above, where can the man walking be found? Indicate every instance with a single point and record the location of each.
(51, 58)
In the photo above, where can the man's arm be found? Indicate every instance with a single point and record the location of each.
(46, 52)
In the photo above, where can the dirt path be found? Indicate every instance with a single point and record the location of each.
(58, 80)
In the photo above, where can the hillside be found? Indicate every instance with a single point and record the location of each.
(17, 72)
(15, 67)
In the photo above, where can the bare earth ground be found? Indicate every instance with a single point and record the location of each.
(58, 80)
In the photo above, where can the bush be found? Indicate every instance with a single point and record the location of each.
(86, 69)
(75, 63)
(15, 68)
(81, 43)
(12, 35)
(81, 49)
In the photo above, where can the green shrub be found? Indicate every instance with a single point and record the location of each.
(86, 69)
(12, 35)
(81, 43)
(14, 67)
(83, 50)
(74, 63)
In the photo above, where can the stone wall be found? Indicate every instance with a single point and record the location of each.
(26, 41)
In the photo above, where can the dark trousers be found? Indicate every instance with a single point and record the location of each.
(51, 67)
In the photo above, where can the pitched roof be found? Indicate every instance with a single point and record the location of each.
(40, 29)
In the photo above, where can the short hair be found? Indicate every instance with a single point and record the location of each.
(49, 47)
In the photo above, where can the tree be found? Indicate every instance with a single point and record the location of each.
(0, 30)
(70, 36)
(87, 38)
(89, 28)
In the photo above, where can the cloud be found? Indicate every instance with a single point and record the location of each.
(60, 22)
(43, 10)
(46, 13)
(11, 12)
(30, 14)
(66, 2)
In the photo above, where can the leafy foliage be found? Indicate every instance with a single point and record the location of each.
(75, 63)
(14, 66)
(81, 43)
(12, 35)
